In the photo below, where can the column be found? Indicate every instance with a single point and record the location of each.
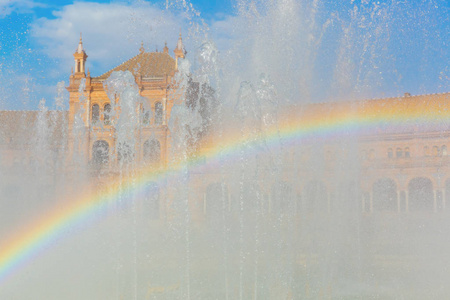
(399, 199)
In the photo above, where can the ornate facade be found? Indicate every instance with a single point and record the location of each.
(402, 169)
(153, 73)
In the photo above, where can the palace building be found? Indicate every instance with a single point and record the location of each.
(153, 73)
(401, 169)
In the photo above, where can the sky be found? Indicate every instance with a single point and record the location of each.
(330, 49)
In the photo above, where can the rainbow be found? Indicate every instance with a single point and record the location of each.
(299, 124)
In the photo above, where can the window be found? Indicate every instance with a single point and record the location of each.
(95, 113)
(125, 153)
(390, 153)
(152, 151)
(146, 118)
(107, 114)
(399, 152)
(100, 152)
(407, 153)
(444, 150)
(435, 151)
(158, 113)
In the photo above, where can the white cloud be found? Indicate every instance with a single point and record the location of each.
(21, 6)
(112, 33)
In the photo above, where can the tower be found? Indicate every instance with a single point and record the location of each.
(80, 60)
(179, 51)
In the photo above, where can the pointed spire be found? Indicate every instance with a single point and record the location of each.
(80, 45)
(88, 73)
(166, 49)
(142, 49)
(180, 43)
(179, 50)
(80, 58)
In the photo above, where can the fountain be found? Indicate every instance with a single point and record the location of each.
(261, 192)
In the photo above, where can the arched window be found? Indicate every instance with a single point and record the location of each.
(100, 152)
(426, 151)
(146, 118)
(152, 151)
(107, 114)
(95, 113)
(407, 153)
(125, 153)
(390, 153)
(158, 113)
(435, 151)
(444, 150)
(399, 152)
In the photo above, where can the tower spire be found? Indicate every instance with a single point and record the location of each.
(80, 58)
(179, 50)
(80, 45)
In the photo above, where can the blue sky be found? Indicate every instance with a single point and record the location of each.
(337, 49)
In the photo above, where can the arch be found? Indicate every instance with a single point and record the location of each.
(398, 152)
(125, 153)
(282, 200)
(216, 200)
(95, 117)
(316, 197)
(407, 152)
(420, 194)
(444, 150)
(152, 151)
(384, 195)
(107, 114)
(100, 152)
(146, 118)
(390, 153)
(158, 113)
(435, 151)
